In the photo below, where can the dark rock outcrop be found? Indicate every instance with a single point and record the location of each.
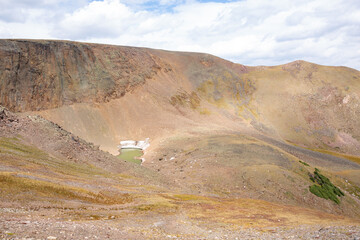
(36, 75)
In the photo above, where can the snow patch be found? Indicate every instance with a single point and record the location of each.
(134, 144)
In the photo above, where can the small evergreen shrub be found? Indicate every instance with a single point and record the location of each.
(304, 163)
(324, 188)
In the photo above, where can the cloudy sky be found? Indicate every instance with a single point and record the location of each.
(251, 32)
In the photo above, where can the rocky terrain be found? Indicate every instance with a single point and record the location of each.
(105, 94)
(233, 149)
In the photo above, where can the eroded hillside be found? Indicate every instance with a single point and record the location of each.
(105, 94)
(231, 146)
(55, 185)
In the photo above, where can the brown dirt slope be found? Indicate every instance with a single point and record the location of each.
(106, 93)
(233, 165)
(55, 185)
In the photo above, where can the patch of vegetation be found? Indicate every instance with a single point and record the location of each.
(10, 183)
(205, 111)
(185, 99)
(304, 163)
(290, 178)
(289, 195)
(187, 197)
(14, 146)
(341, 155)
(324, 188)
(212, 92)
(15, 153)
(131, 155)
(353, 190)
(159, 207)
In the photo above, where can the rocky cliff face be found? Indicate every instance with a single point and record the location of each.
(37, 75)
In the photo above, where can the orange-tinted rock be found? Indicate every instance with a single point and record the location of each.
(37, 75)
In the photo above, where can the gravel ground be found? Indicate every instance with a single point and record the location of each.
(52, 229)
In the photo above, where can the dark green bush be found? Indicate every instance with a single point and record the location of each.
(304, 163)
(324, 188)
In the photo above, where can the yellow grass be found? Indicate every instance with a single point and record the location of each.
(258, 213)
(14, 185)
(342, 155)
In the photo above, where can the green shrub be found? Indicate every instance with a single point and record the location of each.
(324, 188)
(304, 163)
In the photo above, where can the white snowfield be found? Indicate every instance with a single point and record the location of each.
(134, 144)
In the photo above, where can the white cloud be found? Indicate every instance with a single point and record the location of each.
(105, 19)
(253, 32)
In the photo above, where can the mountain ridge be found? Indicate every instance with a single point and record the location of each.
(44, 75)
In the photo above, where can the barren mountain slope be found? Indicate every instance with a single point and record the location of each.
(108, 93)
(231, 145)
(55, 185)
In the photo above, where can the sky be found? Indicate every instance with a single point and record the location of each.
(250, 32)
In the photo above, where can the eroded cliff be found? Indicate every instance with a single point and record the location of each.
(37, 75)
